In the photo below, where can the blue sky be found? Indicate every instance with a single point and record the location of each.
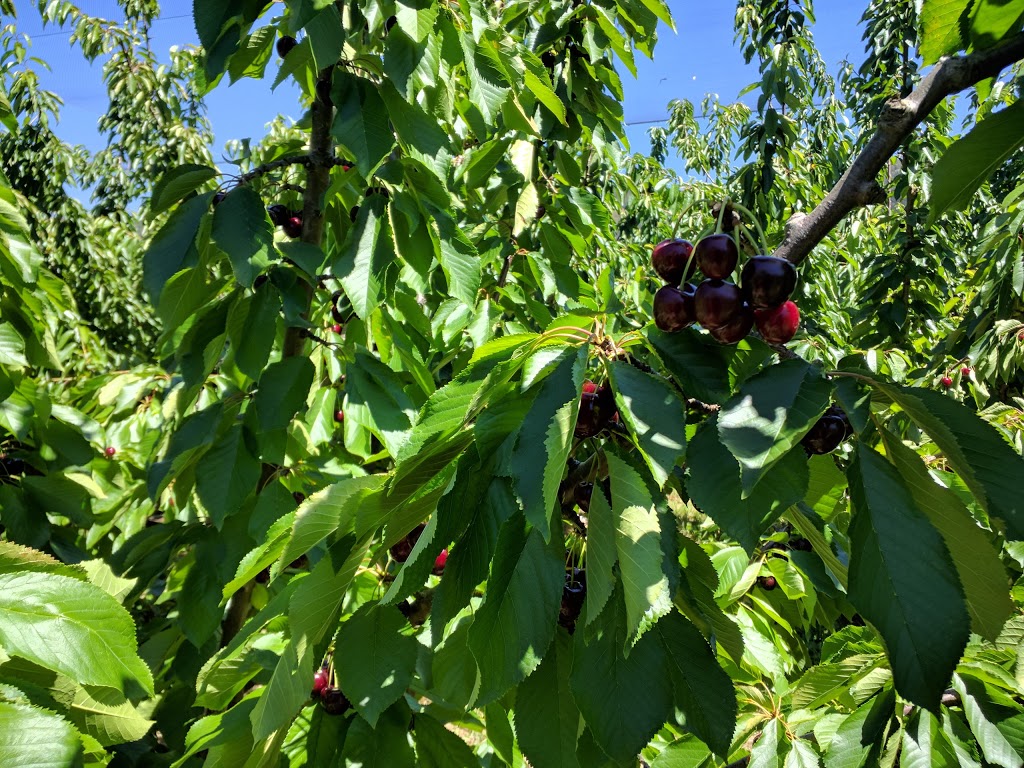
(700, 58)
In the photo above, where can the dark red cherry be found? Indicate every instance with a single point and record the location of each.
(401, 551)
(740, 326)
(279, 214)
(717, 303)
(285, 45)
(779, 325)
(717, 256)
(673, 309)
(334, 701)
(825, 436)
(339, 416)
(597, 404)
(767, 281)
(573, 594)
(293, 227)
(581, 494)
(767, 583)
(673, 260)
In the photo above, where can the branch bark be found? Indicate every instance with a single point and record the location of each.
(859, 185)
(318, 164)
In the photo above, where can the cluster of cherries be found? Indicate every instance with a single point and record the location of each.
(285, 218)
(728, 311)
(401, 551)
(327, 693)
(947, 381)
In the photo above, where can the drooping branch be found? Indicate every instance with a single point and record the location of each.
(859, 185)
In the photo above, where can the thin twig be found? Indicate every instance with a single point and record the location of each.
(859, 185)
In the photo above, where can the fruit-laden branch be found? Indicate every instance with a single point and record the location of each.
(859, 185)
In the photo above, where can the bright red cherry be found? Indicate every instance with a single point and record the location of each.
(673, 260)
(339, 416)
(110, 451)
(716, 303)
(717, 256)
(337, 329)
(673, 309)
(439, 562)
(946, 382)
(589, 387)
(966, 371)
(321, 680)
(779, 325)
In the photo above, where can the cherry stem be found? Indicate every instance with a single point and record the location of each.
(760, 232)
(721, 214)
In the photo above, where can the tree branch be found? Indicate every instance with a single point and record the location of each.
(318, 165)
(859, 185)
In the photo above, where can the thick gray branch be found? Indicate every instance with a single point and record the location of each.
(859, 185)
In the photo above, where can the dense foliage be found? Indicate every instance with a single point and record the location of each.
(399, 471)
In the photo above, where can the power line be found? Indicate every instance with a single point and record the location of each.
(66, 32)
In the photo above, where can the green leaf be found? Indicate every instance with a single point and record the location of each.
(705, 369)
(367, 252)
(173, 247)
(713, 485)
(226, 736)
(769, 416)
(993, 20)
(638, 544)
(35, 738)
(940, 28)
(328, 512)
(16, 558)
(624, 700)
(227, 475)
(686, 752)
(101, 713)
(545, 438)
(547, 720)
(376, 400)
(176, 183)
(994, 745)
(72, 627)
(916, 603)
(376, 661)
(861, 733)
(516, 623)
(12, 347)
(703, 690)
(459, 260)
(602, 554)
(243, 231)
(437, 747)
(655, 416)
(546, 96)
(973, 447)
(361, 123)
(252, 329)
(969, 161)
(282, 392)
(771, 748)
(387, 745)
(925, 745)
(984, 579)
